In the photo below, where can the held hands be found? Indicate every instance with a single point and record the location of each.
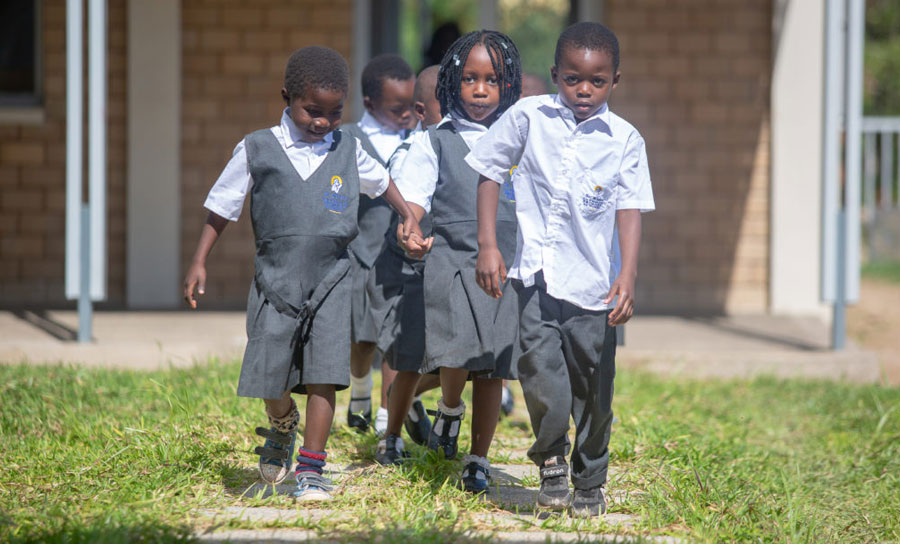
(490, 271)
(623, 287)
(196, 277)
(409, 236)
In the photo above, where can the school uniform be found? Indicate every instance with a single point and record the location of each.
(571, 179)
(374, 220)
(304, 200)
(395, 289)
(464, 327)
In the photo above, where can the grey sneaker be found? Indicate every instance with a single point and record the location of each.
(312, 486)
(554, 493)
(276, 455)
(589, 503)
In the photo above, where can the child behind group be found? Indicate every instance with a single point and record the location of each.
(582, 177)
(468, 335)
(304, 180)
(396, 297)
(387, 89)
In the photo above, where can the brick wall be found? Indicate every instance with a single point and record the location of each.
(32, 176)
(234, 54)
(695, 82)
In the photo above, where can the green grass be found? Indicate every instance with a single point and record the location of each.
(115, 456)
(882, 270)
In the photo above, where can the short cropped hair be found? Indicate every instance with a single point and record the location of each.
(593, 36)
(383, 67)
(315, 67)
(426, 82)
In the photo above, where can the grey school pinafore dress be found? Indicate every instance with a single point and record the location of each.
(464, 327)
(396, 300)
(298, 310)
(374, 218)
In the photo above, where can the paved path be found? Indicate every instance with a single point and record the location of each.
(723, 347)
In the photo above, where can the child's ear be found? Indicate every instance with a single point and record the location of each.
(419, 109)
(367, 102)
(616, 79)
(284, 95)
(553, 74)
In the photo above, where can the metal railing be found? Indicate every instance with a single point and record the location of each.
(881, 179)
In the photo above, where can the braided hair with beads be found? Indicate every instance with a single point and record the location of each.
(504, 59)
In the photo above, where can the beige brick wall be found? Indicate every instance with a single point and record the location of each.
(32, 176)
(695, 82)
(234, 54)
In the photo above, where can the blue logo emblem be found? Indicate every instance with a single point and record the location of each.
(508, 191)
(593, 201)
(333, 200)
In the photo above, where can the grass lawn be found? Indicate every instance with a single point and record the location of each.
(882, 270)
(115, 456)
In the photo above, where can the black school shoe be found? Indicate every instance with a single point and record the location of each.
(417, 423)
(554, 493)
(589, 503)
(390, 450)
(476, 478)
(444, 434)
(360, 421)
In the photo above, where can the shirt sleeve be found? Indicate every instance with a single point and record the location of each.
(635, 191)
(373, 178)
(417, 176)
(499, 149)
(226, 198)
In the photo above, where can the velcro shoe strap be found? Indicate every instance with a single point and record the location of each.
(556, 471)
(274, 436)
(271, 453)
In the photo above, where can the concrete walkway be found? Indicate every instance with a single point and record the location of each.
(724, 347)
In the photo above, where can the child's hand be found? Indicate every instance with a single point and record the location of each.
(196, 277)
(623, 287)
(409, 236)
(490, 271)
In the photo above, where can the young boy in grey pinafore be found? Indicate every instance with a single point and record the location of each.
(468, 335)
(304, 182)
(387, 89)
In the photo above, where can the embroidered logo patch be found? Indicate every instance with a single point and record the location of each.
(593, 201)
(508, 191)
(333, 200)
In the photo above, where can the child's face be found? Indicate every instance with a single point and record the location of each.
(394, 109)
(316, 113)
(480, 87)
(585, 79)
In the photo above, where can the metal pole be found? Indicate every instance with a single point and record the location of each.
(856, 13)
(97, 144)
(85, 310)
(839, 321)
(74, 146)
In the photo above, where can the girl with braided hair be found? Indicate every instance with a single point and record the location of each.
(468, 334)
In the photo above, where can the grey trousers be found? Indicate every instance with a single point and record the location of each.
(567, 369)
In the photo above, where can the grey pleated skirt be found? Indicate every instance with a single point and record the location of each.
(271, 364)
(362, 328)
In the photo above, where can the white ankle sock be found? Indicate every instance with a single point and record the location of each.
(360, 388)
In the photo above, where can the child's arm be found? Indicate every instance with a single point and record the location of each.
(490, 270)
(628, 223)
(410, 239)
(196, 275)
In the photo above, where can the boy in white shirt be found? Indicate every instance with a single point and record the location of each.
(582, 178)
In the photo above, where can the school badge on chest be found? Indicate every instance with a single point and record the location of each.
(333, 200)
(508, 190)
(593, 201)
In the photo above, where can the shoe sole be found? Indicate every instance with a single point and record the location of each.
(314, 496)
(556, 504)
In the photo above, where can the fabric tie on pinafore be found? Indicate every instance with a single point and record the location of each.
(302, 228)
(374, 218)
(465, 328)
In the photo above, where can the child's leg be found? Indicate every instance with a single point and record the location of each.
(485, 413)
(453, 381)
(279, 408)
(277, 453)
(381, 417)
(359, 413)
(319, 416)
(445, 431)
(427, 382)
(401, 399)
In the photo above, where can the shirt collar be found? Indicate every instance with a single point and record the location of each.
(291, 134)
(462, 124)
(370, 126)
(602, 114)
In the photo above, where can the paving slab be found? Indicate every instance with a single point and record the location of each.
(716, 347)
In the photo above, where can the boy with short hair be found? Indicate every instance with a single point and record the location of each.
(582, 177)
(304, 179)
(387, 89)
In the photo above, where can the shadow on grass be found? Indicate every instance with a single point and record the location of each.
(105, 534)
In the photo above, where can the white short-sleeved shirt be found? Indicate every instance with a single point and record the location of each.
(226, 198)
(417, 176)
(571, 179)
(383, 139)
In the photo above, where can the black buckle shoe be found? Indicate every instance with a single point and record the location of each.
(476, 478)
(390, 450)
(362, 420)
(444, 434)
(418, 427)
(554, 493)
(589, 503)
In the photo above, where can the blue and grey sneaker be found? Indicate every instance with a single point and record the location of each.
(276, 455)
(312, 486)
(476, 476)
(417, 423)
(445, 431)
(507, 402)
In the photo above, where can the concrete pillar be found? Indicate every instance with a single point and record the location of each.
(796, 192)
(153, 275)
